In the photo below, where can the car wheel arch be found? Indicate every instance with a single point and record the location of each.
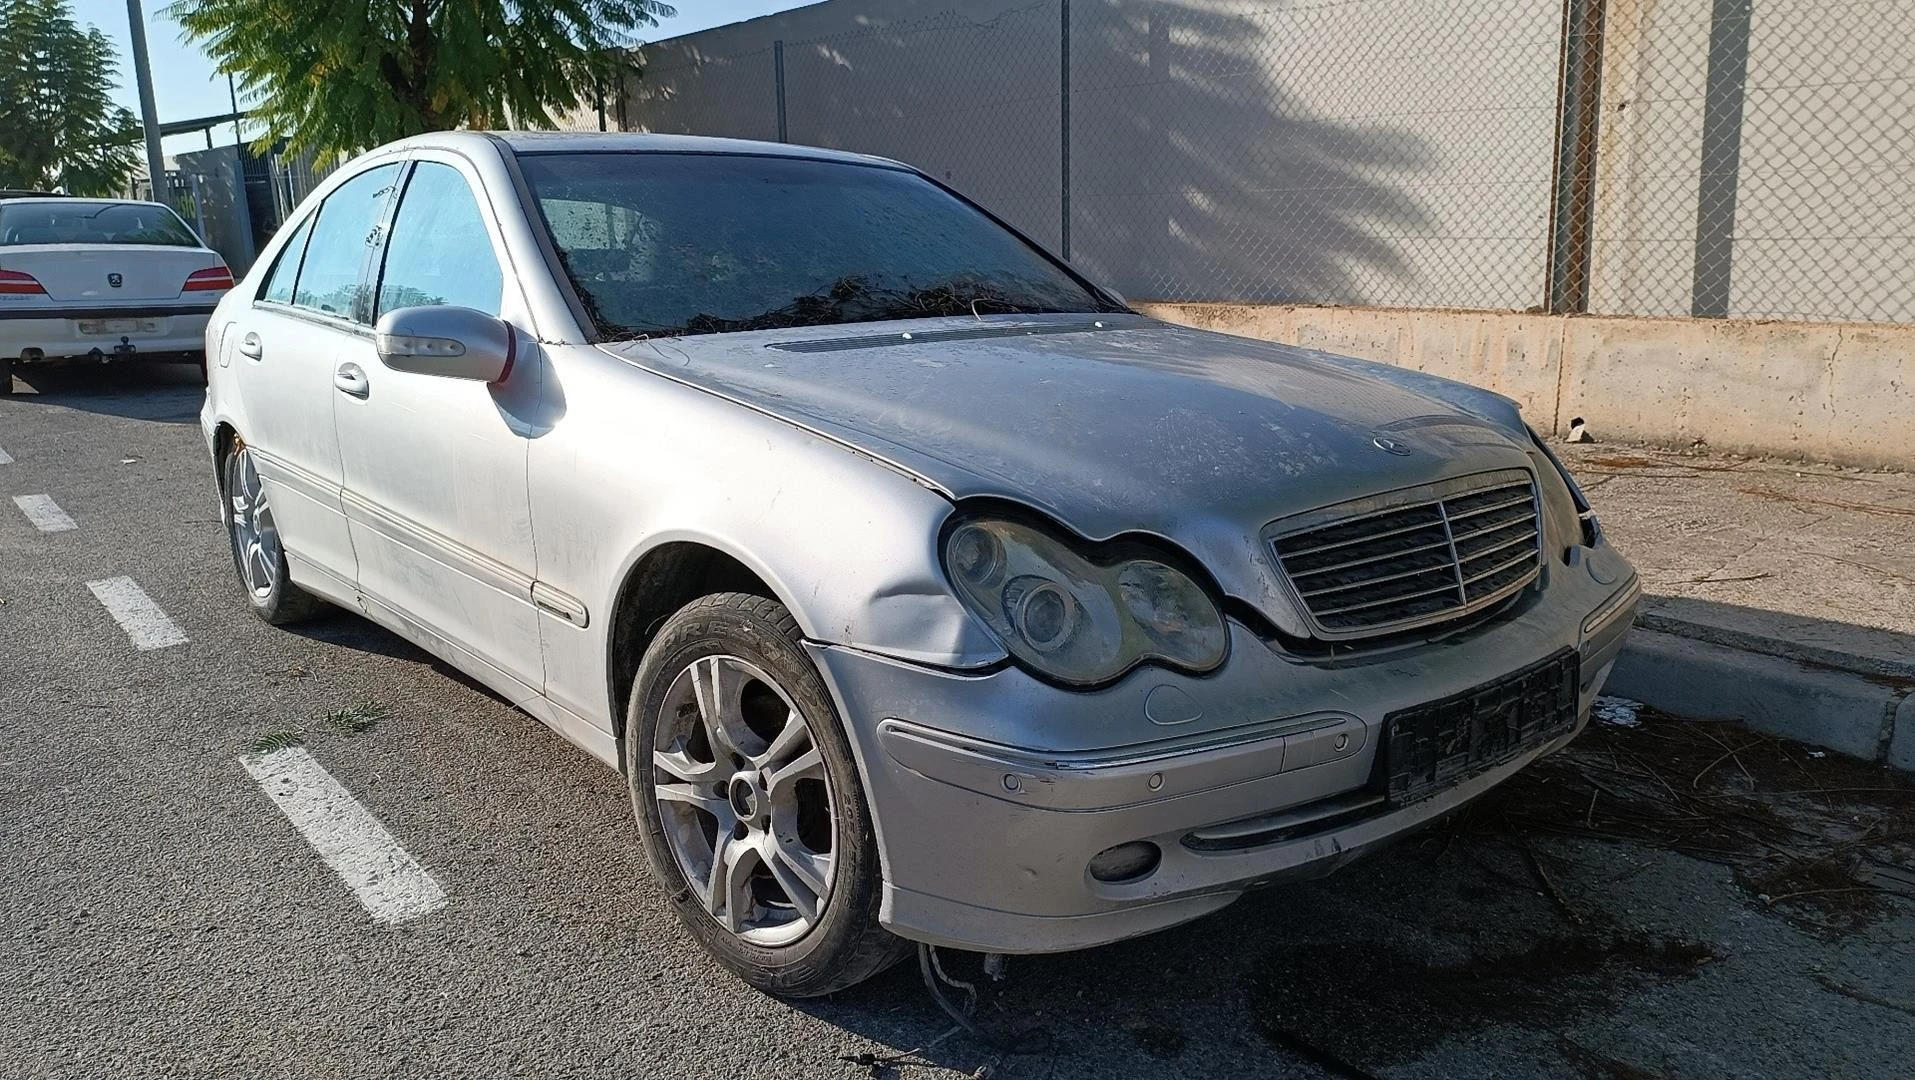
(656, 585)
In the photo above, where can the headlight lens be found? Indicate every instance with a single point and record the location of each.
(1076, 620)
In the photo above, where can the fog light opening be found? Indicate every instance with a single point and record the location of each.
(1126, 862)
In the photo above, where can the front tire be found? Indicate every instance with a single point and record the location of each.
(6, 376)
(749, 801)
(253, 534)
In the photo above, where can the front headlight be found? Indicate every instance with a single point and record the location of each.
(1591, 529)
(1074, 619)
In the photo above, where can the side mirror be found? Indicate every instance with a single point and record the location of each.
(451, 342)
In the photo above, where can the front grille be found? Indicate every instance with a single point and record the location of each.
(1429, 747)
(1413, 557)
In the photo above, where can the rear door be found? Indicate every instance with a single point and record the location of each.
(314, 305)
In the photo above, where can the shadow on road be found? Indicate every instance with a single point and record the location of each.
(1531, 928)
(167, 393)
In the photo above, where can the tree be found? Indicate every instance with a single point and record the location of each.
(58, 124)
(351, 74)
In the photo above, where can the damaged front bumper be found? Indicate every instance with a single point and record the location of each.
(995, 795)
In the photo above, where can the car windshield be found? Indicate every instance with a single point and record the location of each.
(663, 244)
(93, 223)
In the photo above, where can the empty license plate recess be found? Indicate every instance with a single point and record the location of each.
(1429, 747)
(119, 326)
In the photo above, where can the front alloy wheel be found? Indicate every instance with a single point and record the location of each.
(753, 816)
(745, 800)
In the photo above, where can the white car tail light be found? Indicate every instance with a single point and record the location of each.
(15, 283)
(209, 279)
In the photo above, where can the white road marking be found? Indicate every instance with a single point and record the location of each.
(45, 514)
(137, 614)
(5, 458)
(388, 882)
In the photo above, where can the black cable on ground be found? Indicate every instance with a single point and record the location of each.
(935, 980)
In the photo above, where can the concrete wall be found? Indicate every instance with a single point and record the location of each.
(1831, 392)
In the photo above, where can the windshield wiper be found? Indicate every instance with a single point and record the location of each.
(854, 299)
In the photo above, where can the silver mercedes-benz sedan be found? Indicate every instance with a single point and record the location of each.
(922, 591)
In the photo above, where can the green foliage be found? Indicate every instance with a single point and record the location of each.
(344, 76)
(276, 740)
(357, 718)
(58, 124)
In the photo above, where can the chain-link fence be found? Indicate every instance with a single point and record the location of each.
(1743, 158)
(1757, 159)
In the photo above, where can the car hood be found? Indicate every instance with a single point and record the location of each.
(1114, 424)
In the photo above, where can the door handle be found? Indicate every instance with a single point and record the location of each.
(250, 347)
(351, 379)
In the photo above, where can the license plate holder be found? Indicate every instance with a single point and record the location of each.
(1433, 746)
(110, 326)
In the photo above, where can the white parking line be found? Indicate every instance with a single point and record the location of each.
(5, 458)
(45, 514)
(137, 614)
(389, 883)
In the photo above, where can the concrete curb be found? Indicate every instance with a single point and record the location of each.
(1847, 704)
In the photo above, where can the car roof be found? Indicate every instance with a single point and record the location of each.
(576, 142)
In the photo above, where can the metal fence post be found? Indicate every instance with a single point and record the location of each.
(1064, 128)
(778, 67)
(1578, 123)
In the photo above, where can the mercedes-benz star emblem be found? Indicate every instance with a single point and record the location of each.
(1390, 446)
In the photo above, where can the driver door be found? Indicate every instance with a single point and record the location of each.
(434, 468)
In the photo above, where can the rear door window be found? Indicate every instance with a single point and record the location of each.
(279, 283)
(332, 279)
(439, 251)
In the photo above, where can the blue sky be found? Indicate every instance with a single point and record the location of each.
(185, 85)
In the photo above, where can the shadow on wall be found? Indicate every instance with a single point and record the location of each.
(1196, 175)
(972, 99)
(1216, 154)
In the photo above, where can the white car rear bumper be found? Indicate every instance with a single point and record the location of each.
(77, 333)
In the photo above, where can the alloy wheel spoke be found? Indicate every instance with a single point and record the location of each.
(728, 891)
(808, 765)
(699, 797)
(682, 766)
(720, 686)
(799, 874)
(250, 489)
(258, 574)
(793, 736)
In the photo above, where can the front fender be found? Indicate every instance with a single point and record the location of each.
(634, 461)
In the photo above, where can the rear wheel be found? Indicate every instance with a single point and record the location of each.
(749, 801)
(254, 535)
(6, 376)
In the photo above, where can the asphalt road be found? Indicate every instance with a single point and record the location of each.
(159, 914)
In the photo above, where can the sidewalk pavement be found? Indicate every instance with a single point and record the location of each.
(1778, 594)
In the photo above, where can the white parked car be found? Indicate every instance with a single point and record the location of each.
(922, 591)
(102, 279)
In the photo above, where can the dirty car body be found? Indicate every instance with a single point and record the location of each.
(1119, 618)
